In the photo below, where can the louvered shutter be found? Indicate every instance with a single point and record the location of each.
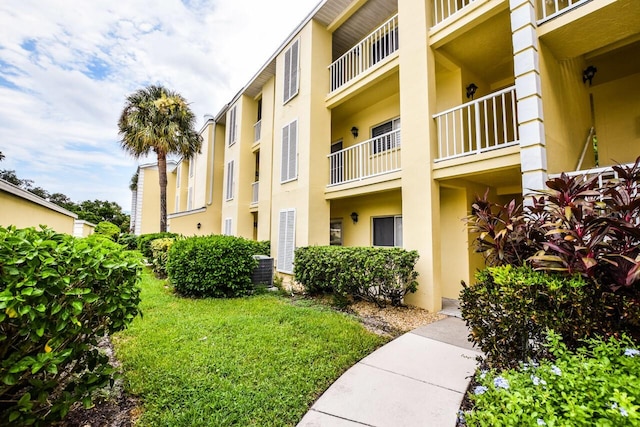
(287, 76)
(294, 68)
(286, 240)
(227, 226)
(293, 150)
(232, 126)
(284, 164)
(229, 180)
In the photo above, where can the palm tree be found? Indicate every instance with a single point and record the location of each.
(155, 118)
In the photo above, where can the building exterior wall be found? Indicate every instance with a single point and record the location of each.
(24, 213)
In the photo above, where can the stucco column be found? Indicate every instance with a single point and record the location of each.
(420, 193)
(533, 152)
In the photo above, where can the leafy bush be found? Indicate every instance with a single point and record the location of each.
(378, 275)
(573, 227)
(596, 385)
(262, 247)
(160, 250)
(212, 266)
(129, 241)
(108, 229)
(509, 310)
(58, 296)
(144, 242)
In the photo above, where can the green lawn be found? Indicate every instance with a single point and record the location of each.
(251, 361)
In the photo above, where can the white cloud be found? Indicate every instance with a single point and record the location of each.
(60, 100)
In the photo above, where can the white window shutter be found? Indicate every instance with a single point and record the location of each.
(295, 64)
(284, 166)
(227, 227)
(286, 240)
(293, 150)
(282, 227)
(229, 194)
(287, 76)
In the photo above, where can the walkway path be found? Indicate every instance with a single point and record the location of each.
(418, 379)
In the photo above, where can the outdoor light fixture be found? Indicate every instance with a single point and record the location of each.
(471, 90)
(199, 226)
(588, 74)
(354, 217)
(354, 132)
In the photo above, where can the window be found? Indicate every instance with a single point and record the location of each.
(227, 227)
(387, 231)
(192, 166)
(383, 136)
(335, 232)
(291, 64)
(286, 240)
(177, 203)
(233, 126)
(229, 194)
(190, 199)
(178, 175)
(289, 165)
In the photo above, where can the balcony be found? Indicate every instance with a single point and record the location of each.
(254, 193)
(376, 156)
(365, 55)
(485, 124)
(605, 174)
(257, 130)
(549, 9)
(443, 9)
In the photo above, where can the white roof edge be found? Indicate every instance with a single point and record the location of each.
(24, 194)
(272, 58)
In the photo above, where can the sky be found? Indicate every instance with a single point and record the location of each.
(66, 67)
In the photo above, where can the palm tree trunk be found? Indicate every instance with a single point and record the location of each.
(162, 177)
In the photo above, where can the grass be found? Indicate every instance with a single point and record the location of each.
(257, 361)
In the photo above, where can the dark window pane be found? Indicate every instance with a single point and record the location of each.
(383, 231)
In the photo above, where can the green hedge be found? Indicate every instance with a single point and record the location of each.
(108, 229)
(58, 296)
(212, 266)
(380, 275)
(510, 309)
(159, 254)
(144, 242)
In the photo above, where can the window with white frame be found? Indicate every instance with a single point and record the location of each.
(190, 199)
(227, 226)
(289, 165)
(178, 175)
(387, 231)
(229, 188)
(233, 126)
(384, 138)
(291, 67)
(286, 240)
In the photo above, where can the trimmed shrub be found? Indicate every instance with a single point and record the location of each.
(58, 296)
(597, 385)
(212, 266)
(510, 309)
(160, 250)
(129, 241)
(379, 275)
(262, 247)
(144, 242)
(108, 229)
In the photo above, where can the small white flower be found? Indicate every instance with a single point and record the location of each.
(631, 352)
(483, 373)
(480, 390)
(500, 382)
(623, 412)
(556, 370)
(541, 422)
(461, 417)
(538, 381)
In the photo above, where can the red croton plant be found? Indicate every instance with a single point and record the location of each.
(574, 226)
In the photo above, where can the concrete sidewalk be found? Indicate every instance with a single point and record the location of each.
(418, 379)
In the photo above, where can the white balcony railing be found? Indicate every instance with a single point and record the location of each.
(376, 156)
(374, 48)
(604, 174)
(442, 9)
(488, 123)
(548, 9)
(257, 130)
(254, 193)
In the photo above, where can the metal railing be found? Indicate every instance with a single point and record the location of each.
(255, 193)
(604, 174)
(549, 9)
(485, 124)
(376, 156)
(442, 9)
(257, 130)
(374, 48)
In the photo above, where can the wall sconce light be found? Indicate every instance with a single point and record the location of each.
(354, 217)
(354, 132)
(255, 225)
(588, 74)
(199, 226)
(471, 90)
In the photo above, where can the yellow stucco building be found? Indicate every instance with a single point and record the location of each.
(377, 122)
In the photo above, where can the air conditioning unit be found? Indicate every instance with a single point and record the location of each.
(263, 273)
